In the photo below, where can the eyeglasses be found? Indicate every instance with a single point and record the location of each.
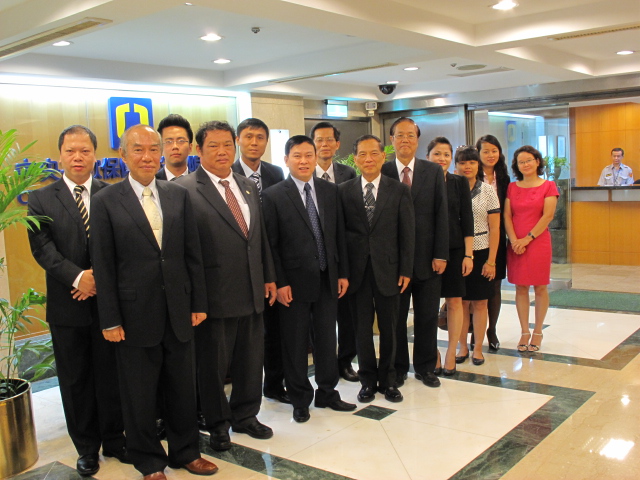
(526, 162)
(323, 140)
(410, 136)
(180, 142)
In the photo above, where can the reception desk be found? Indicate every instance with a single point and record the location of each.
(605, 225)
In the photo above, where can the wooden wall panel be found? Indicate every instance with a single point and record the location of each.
(587, 222)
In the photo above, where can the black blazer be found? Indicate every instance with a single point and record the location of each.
(460, 210)
(295, 254)
(162, 174)
(342, 173)
(141, 284)
(270, 174)
(429, 195)
(390, 239)
(501, 257)
(60, 247)
(236, 268)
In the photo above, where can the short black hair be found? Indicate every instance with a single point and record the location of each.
(253, 123)
(175, 120)
(536, 154)
(403, 119)
(617, 149)
(468, 153)
(361, 139)
(297, 140)
(211, 126)
(436, 141)
(336, 132)
(75, 129)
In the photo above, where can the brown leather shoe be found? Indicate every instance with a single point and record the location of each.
(201, 466)
(155, 476)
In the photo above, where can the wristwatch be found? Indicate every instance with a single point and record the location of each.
(469, 256)
(531, 235)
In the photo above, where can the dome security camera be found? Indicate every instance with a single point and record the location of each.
(255, 29)
(387, 89)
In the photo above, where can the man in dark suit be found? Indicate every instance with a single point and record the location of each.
(380, 229)
(149, 273)
(239, 276)
(305, 226)
(429, 195)
(253, 135)
(177, 142)
(327, 140)
(85, 362)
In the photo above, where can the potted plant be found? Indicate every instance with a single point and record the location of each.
(18, 446)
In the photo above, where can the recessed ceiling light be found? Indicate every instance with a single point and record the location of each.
(411, 69)
(62, 43)
(188, 4)
(504, 5)
(393, 82)
(625, 52)
(222, 60)
(211, 37)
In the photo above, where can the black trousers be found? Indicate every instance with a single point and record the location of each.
(364, 302)
(426, 304)
(298, 321)
(169, 365)
(87, 374)
(273, 368)
(234, 345)
(346, 334)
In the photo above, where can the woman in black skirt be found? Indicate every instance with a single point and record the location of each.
(486, 228)
(460, 261)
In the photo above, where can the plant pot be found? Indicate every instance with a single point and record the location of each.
(18, 444)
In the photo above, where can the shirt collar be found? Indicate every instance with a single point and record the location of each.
(329, 171)
(247, 169)
(376, 182)
(216, 179)
(72, 185)
(138, 188)
(171, 176)
(400, 166)
(300, 184)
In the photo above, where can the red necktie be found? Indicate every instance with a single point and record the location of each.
(406, 179)
(232, 202)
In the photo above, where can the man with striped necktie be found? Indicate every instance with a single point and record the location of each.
(85, 362)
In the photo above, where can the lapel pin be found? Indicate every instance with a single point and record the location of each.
(248, 192)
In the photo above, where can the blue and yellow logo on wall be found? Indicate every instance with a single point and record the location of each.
(125, 112)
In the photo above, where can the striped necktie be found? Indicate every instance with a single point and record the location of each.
(78, 189)
(256, 178)
(317, 230)
(234, 206)
(369, 202)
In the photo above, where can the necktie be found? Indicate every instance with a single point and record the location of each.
(153, 214)
(78, 189)
(256, 178)
(234, 206)
(325, 176)
(315, 224)
(406, 179)
(369, 202)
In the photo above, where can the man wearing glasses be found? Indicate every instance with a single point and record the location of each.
(177, 139)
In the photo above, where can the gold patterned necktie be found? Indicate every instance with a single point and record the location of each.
(78, 189)
(153, 214)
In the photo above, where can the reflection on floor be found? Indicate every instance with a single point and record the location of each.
(609, 278)
(570, 412)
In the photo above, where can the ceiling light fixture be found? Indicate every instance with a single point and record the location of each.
(411, 69)
(222, 61)
(61, 43)
(625, 52)
(393, 82)
(188, 4)
(504, 5)
(211, 37)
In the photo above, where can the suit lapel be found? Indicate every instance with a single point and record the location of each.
(68, 202)
(294, 195)
(131, 204)
(321, 198)
(170, 210)
(358, 198)
(250, 198)
(418, 178)
(381, 199)
(209, 191)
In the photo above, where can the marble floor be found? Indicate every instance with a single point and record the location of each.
(609, 278)
(569, 412)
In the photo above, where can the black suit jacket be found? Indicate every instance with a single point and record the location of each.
(293, 245)
(60, 247)
(460, 210)
(429, 195)
(236, 268)
(270, 174)
(162, 174)
(142, 285)
(341, 172)
(390, 239)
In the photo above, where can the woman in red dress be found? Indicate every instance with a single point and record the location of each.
(529, 208)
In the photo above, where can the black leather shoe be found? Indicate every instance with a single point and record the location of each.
(437, 371)
(366, 394)
(392, 394)
(349, 374)
(282, 397)
(88, 465)
(429, 379)
(400, 378)
(462, 358)
(220, 440)
(254, 429)
(301, 415)
(337, 405)
(202, 423)
(119, 453)
(477, 361)
(449, 373)
(161, 431)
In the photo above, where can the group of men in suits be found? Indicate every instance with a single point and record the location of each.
(176, 306)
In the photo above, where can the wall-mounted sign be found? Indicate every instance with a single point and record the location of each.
(125, 112)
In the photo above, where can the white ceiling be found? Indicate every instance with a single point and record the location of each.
(159, 41)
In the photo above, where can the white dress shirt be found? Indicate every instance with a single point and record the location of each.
(400, 166)
(235, 189)
(328, 171)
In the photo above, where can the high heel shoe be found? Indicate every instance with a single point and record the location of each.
(533, 347)
(523, 346)
(477, 361)
(462, 358)
(494, 343)
(448, 373)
